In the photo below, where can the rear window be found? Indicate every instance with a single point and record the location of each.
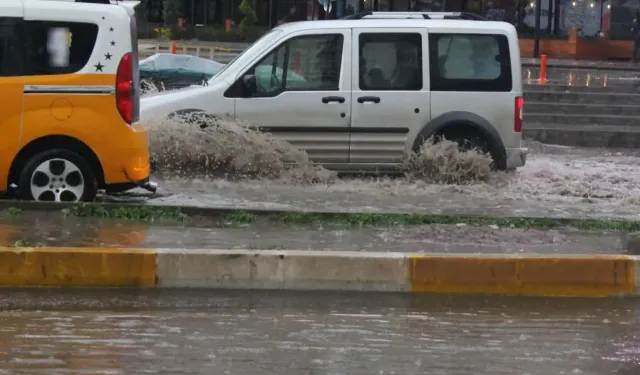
(59, 47)
(11, 47)
(469, 62)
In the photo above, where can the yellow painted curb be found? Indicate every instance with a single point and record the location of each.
(589, 276)
(575, 276)
(77, 267)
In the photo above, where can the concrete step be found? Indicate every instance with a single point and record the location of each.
(579, 108)
(581, 98)
(586, 119)
(584, 135)
(610, 88)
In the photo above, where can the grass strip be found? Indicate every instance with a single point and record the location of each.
(398, 219)
(124, 212)
(10, 212)
(223, 218)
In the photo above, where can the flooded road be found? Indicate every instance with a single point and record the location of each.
(34, 229)
(557, 181)
(184, 332)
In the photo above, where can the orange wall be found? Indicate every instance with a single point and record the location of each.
(579, 49)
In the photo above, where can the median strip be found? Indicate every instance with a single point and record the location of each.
(530, 275)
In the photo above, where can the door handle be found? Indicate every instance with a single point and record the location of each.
(329, 99)
(372, 99)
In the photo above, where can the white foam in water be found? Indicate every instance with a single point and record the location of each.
(181, 148)
(193, 145)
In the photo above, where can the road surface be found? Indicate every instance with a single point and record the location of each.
(182, 332)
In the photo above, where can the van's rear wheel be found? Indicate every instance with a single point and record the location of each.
(474, 142)
(57, 176)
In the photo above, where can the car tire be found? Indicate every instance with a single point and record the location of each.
(57, 175)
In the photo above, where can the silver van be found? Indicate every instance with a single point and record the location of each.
(363, 93)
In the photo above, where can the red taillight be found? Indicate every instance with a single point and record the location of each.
(124, 88)
(517, 120)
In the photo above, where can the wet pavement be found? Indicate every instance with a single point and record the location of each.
(216, 332)
(32, 229)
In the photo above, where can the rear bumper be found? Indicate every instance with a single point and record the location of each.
(516, 157)
(122, 187)
(128, 161)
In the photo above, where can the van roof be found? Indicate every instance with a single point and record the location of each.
(397, 21)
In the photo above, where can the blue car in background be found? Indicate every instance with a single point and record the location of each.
(169, 71)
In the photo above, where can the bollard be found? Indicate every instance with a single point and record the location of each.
(543, 69)
(174, 47)
(297, 62)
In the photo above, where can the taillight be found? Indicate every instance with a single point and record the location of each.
(517, 119)
(124, 88)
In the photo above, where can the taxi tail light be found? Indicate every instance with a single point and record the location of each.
(124, 88)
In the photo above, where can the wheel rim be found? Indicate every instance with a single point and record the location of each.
(57, 180)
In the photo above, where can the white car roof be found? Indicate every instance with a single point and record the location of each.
(395, 22)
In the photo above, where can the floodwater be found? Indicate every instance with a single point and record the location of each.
(557, 181)
(215, 332)
(33, 229)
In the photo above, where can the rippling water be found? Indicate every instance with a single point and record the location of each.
(260, 333)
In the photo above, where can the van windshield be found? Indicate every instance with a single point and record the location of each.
(263, 42)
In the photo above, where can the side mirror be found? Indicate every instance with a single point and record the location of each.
(249, 85)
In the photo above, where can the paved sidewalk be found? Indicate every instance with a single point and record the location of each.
(584, 64)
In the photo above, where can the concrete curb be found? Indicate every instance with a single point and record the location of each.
(562, 276)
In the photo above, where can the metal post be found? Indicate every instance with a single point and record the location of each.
(550, 17)
(601, 14)
(536, 41)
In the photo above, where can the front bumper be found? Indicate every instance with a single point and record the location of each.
(516, 157)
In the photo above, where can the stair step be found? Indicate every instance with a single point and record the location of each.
(581, 108)
(582, 97)
(613, 88)
(587, 119)
(584, 135)
(531, 125)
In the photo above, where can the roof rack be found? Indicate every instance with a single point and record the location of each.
(419, 15)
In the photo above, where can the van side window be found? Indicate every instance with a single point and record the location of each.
(390, 62)
(59, 47)
(11, 47)
(469, 62)
(305, 63)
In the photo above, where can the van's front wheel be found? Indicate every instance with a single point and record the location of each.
(57, 176)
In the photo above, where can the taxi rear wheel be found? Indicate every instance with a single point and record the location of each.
(57, 176)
